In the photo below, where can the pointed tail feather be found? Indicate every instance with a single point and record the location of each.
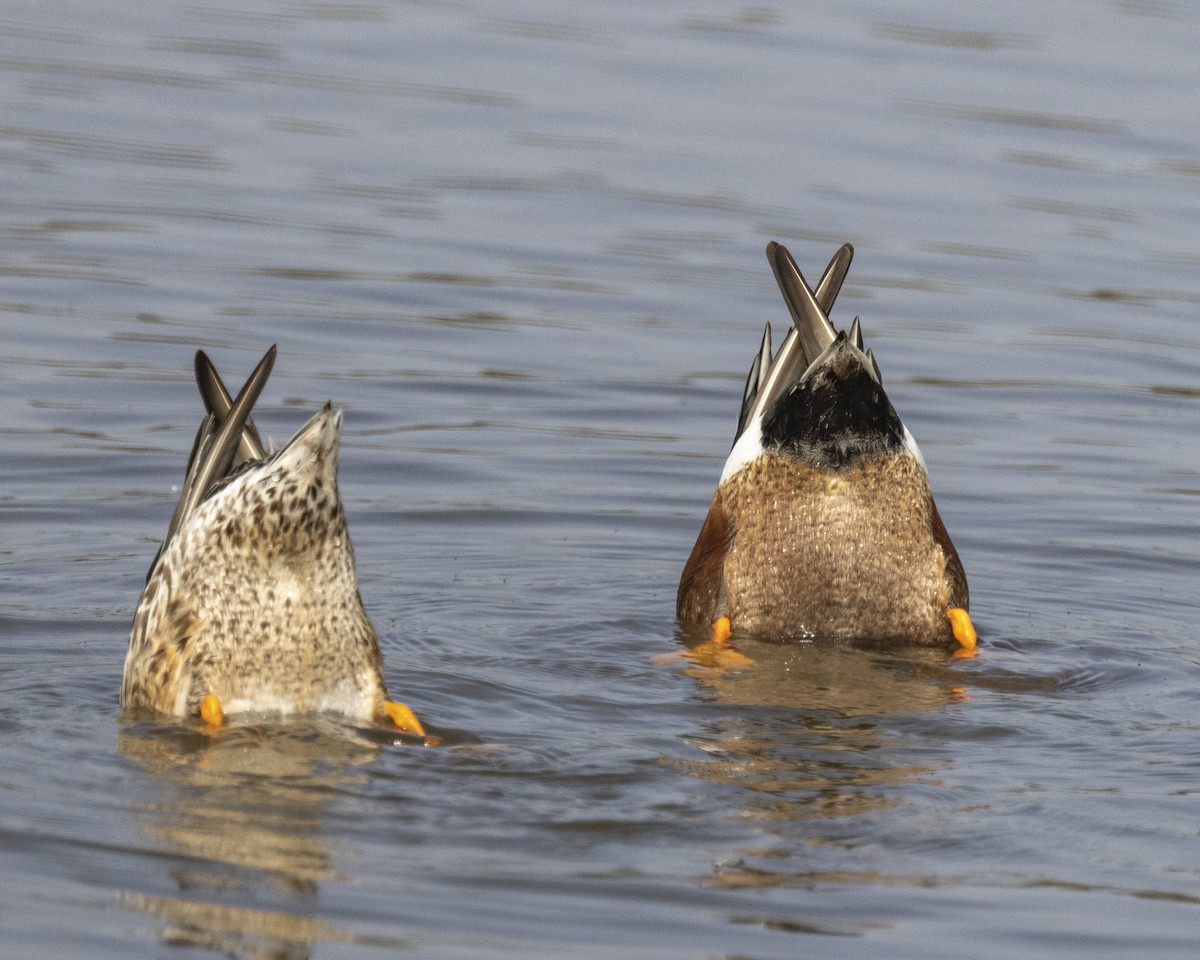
(809, 335)
(218, 402)
(217, 441)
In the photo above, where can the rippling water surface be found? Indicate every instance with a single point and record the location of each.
(522, 247)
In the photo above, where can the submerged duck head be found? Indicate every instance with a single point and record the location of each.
(252, 604)
(823, 524)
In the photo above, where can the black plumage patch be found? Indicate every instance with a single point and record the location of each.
(835, 416)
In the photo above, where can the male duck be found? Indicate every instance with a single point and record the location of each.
(823, 524)
(252, 603)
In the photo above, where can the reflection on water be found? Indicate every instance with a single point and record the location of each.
(239, 932)
(821, 751)
(242, 812)
(811, 742)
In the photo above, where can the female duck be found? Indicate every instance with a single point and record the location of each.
(252, 603)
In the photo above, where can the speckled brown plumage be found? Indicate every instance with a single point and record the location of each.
(254, 598)
(800, 552)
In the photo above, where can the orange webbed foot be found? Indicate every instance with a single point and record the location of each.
(964, 631)
(402, 716)
(716, 653)
(713, 654)
(211, 711)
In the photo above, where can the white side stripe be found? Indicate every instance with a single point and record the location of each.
(748, 447)
(910, 444)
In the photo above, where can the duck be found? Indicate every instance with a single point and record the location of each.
(252, 604)
(823, 524)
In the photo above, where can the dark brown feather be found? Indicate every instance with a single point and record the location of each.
(703, 582)
(960, 596)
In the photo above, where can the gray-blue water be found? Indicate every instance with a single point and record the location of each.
(522, 247)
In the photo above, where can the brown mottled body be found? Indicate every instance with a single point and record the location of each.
(792, 550)
(255, 597)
